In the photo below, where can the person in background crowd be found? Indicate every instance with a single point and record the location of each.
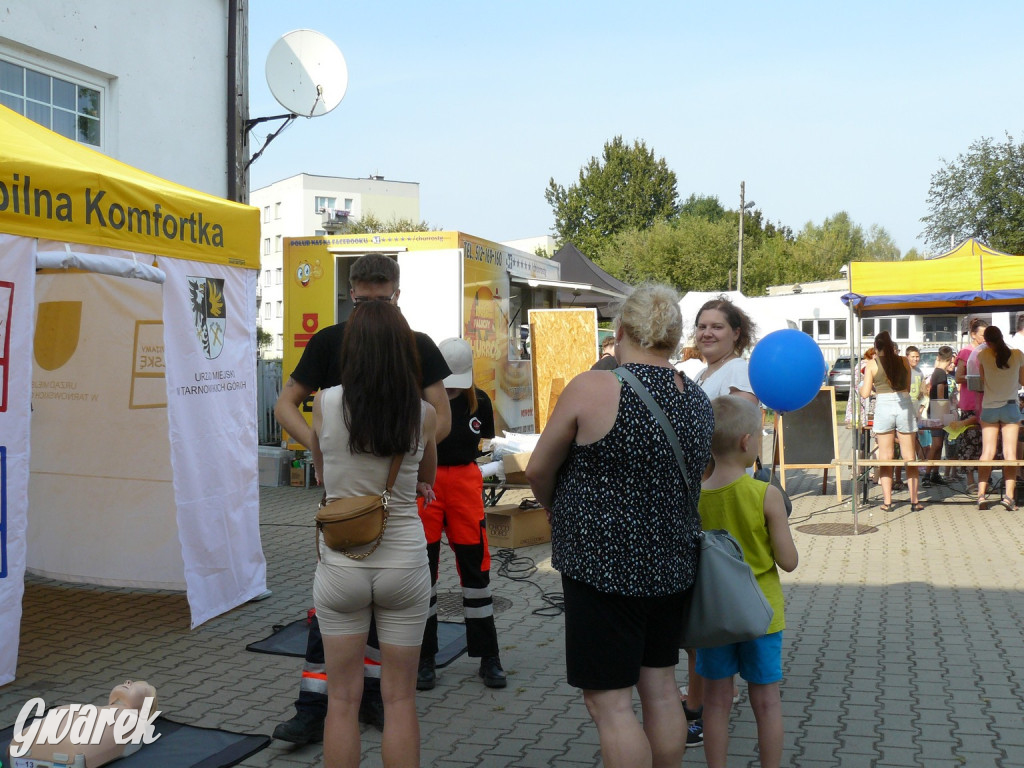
(968, 444)
(889, 375)
(607, 361)
(1017, 340)
(723, 332)
(360, 428)
(1002, 374)
(919, 399)
(857, 376)
(692, 363)
(458, 513)
(624, 592)
(938, 389)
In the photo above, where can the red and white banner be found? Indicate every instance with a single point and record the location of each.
(17, 292)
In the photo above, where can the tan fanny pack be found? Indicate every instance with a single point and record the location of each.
(356, 521)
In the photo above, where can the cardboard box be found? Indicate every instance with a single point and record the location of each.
(515, 467)
(509, 526)
(274, 465)
(298, 477)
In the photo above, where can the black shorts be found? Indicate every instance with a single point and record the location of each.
(609, 637)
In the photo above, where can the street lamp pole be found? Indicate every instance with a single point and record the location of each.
(739, 265)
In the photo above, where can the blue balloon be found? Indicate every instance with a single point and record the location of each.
(785, 370)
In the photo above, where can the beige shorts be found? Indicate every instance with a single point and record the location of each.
(347, 597)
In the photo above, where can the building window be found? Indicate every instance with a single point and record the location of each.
(348, 204)
(824, 330)
(67, 108)
(279, 275)
(280, 342)
(266, 310)
(939, 329)
(266, 277)
(277, 243)
(277, 210)
(897, 327)
(280, 309)
(266, 213)
(324, 203)
(266, 246)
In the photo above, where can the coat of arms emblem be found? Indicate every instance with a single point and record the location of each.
(209, 313)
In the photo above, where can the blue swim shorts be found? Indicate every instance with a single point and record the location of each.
(757, 661)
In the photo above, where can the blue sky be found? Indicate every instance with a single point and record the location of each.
(819, 107)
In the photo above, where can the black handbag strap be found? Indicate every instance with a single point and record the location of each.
(627, 377)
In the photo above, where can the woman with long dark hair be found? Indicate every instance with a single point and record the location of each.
(1002, 373)
(359, 427)
(895, 419)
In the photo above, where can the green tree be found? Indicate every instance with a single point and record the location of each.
(691, 253)
(880, 245)
(263, 339)
(980, 194)
(626, 188)
(369, 224)
(704, 206)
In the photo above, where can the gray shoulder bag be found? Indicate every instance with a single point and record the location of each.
(726, 604)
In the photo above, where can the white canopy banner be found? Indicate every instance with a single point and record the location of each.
(210, 333)
(17, 289)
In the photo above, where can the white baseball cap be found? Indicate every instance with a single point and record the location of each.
(459, 356)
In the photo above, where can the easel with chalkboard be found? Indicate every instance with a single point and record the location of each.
(808, 439)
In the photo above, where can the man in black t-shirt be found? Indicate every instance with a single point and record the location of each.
(373, 277)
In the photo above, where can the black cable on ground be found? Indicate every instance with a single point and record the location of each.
(520, 568)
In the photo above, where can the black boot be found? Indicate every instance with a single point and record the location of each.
(492, 673)
(426, 677)
(304, 728)
(371, 705)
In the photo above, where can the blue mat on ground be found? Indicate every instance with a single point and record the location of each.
(290, 640)
(182, 746)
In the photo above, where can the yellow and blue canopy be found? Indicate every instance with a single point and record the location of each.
(970, 275)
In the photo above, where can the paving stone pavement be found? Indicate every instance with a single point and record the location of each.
(903, 647)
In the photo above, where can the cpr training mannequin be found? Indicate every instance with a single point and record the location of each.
(129, 696)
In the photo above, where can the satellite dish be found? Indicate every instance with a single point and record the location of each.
(307, 73)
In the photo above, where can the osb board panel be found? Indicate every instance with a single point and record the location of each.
(563, 343)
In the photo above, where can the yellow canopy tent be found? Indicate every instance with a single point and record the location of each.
(970, 275)
(128, 445)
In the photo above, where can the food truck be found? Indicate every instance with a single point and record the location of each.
(452, 284)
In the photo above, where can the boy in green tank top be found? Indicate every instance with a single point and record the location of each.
(755, 514)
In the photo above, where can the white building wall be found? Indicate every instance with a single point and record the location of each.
(545, 243)
(818, 308)
(162, 70)
(288, 209)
